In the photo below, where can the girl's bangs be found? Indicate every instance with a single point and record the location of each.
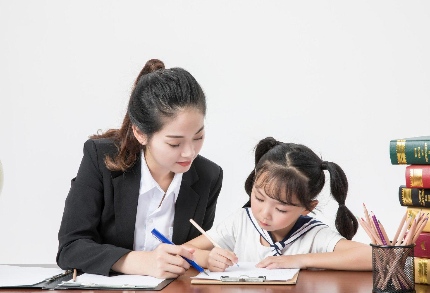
(282, 184)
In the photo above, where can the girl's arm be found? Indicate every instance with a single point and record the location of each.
(347, 255)
(206, 255)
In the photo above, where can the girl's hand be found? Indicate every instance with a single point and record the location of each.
(283, 262)
(220, 259)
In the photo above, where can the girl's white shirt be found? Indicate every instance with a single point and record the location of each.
(149, 214)
(239, 234)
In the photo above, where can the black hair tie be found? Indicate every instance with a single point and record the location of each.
(341, 205)
(324, 165)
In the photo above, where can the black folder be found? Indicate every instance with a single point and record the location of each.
(57, 282)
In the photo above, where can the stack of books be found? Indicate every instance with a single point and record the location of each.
(415, 194)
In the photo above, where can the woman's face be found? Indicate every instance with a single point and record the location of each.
(177, 144)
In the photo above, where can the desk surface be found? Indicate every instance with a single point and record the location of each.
(318, 281)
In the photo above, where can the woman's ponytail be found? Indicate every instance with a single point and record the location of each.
(128, 146)
(345, 222)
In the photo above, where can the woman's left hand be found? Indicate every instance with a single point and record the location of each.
(283, 262)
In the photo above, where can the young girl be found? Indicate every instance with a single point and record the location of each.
(146, 175)
(273, 228)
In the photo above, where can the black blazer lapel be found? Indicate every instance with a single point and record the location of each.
(126, 195)
(185, 206)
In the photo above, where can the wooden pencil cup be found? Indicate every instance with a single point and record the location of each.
(393, 268)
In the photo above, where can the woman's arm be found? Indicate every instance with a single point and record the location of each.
(347, 255)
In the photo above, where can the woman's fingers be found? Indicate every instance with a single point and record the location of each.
(177, 250)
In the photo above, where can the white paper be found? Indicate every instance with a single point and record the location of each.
(91, 280)
(25, 276)
(249, 269)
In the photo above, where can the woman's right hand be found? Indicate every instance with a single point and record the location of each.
(220, 259)
(164, 262)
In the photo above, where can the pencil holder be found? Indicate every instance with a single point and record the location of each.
(393, 268)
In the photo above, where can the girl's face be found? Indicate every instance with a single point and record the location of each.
(177, 144)
(273, 215)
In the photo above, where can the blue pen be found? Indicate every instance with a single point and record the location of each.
(163, 239)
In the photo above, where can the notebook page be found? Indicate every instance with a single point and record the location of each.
(249, 269)
(25, 276)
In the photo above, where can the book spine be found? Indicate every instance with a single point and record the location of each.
(414, 211)
(418, 176)
(405, 151)
(422, 247)
(422, 270)
(414, 197)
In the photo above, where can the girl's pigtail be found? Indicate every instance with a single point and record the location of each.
(346, 223)
(262, 148)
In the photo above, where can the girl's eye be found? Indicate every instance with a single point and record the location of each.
(259, 199)
(173, 145)
(281, 211)
(200, 138)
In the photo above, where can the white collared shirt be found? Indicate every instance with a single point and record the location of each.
(149, 214)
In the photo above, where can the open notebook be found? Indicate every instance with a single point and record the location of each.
(247, 273)
(51, 278)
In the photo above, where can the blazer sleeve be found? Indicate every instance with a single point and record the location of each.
(213, 197)
(80, 243)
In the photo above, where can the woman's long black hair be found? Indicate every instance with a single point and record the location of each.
(158, 93)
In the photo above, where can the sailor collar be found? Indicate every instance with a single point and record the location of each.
(303, 225)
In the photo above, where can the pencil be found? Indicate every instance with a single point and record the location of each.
(411, 233)
(384, 232)
(75, 274)
(206, 234)
(419, 230)
(400, 228)
(378, 228)
(366, 214)
(367, 231)
(405, 227)
(374, 234)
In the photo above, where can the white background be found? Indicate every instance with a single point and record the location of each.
(342, 77)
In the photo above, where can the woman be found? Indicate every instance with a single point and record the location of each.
(145, 175)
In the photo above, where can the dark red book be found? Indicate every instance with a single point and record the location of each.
(422, 247)
(418, 176)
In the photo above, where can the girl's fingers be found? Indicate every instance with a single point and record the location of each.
(273, 266)
(217, 266)
(264, 263)
(229, 255)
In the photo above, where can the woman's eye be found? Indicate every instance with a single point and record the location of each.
(200, 138)
(281, 211)
(173, 145)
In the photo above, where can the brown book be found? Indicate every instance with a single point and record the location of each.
(414, 211)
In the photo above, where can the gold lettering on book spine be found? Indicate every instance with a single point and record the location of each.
(406, 196)
(401, 149)
(425, 152)
(416, 177)
(422, 271)
(422, 197)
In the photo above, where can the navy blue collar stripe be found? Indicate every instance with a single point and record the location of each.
(303, 225)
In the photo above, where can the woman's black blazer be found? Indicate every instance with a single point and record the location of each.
(100, 212)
